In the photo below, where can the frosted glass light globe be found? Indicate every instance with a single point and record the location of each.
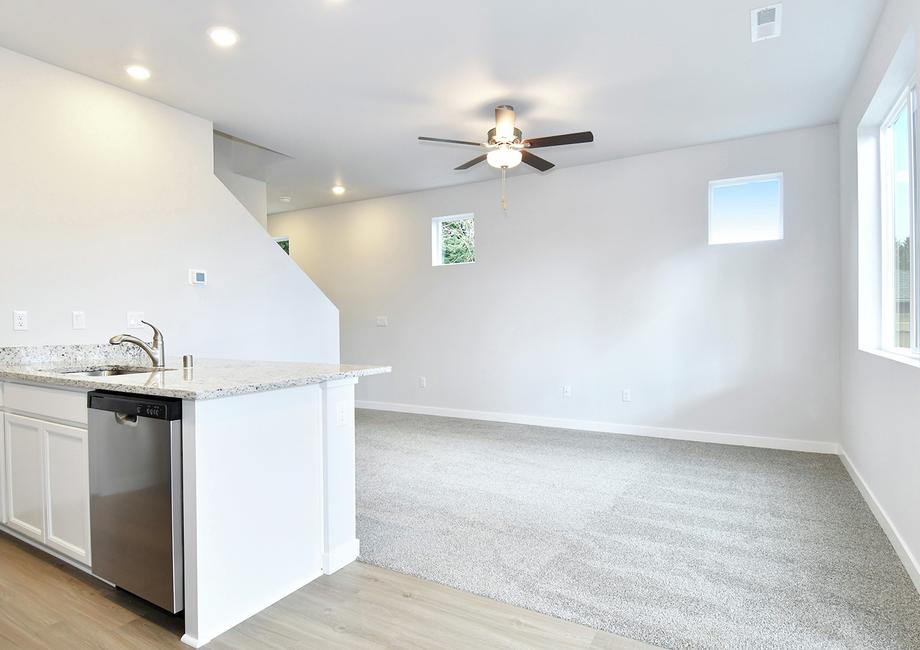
(504, 158)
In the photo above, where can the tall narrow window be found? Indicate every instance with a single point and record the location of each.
(453, 240)
(898, 143)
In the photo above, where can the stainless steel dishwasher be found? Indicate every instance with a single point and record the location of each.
(135, 474)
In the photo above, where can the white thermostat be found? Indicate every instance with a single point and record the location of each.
(197, 276)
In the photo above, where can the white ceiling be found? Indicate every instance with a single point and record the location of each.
(344, 87)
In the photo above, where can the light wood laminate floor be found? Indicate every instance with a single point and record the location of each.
(45, 603)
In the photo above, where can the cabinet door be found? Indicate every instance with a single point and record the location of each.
(23, 480)
(66, 472)
(3, 517)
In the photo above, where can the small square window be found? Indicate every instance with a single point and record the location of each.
(453, 240)
(746, 209)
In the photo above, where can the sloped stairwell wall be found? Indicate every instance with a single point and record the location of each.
(107, 199)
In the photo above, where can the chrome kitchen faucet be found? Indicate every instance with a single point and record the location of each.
(157, 353)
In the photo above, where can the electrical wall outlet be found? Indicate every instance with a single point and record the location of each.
(134, 320)
(383, 321)
(627, 395)
(20, 320)
(566, 391)
(422, 382)
(79, 320)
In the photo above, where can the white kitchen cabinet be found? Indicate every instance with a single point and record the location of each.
(23, 479)
(66, 489)
(44, 475)
(44, 403)
(3, 517)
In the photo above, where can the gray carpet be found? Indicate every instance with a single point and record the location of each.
(679, 544)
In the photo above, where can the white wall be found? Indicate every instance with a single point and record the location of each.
(880, 397)
(600, 277)
(107, 199)
(251, 192)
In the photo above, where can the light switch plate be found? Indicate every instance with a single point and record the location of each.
(383, 321)
(134, 320)
(20, 320)
(79, 320)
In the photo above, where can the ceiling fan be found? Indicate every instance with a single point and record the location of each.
(508, 148)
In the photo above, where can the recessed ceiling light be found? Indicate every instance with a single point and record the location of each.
(284, 199)
(338, 190)
(138, 72)
(223, 36)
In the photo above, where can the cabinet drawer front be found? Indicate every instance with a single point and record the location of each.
(55, 403)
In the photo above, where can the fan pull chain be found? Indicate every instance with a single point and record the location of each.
(504, 200)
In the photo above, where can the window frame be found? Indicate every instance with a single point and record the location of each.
(909, 99)
(437, 248)
(744, 180)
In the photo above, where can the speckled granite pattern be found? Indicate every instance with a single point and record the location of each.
(678, 544)
(209, 379)
(69, 356)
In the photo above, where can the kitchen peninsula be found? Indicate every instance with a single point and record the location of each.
(268, 483)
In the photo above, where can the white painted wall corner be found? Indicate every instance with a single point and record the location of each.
(900, 547)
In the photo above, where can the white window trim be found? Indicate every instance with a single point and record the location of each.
(743, 180)
(907, 98)
(437, 252)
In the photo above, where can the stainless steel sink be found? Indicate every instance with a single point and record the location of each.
(109, 371)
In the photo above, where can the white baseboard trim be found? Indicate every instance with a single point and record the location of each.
(907, 558)
(341, 556)
(188, 639)
(745, 440)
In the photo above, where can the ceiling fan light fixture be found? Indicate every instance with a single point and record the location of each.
(504, 158)
(506, 147)
(504, 124)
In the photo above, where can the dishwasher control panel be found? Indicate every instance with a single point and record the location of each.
(157, 411)
(159, 408)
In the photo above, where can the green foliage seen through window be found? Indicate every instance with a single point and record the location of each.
(457, 241)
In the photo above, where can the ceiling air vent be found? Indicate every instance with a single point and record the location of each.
(766, 22)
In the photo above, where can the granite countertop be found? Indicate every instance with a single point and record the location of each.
(209, 379)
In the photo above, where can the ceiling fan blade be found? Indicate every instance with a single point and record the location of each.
(556, 140)
(535, 161)
(470, 163)
(472, 144)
